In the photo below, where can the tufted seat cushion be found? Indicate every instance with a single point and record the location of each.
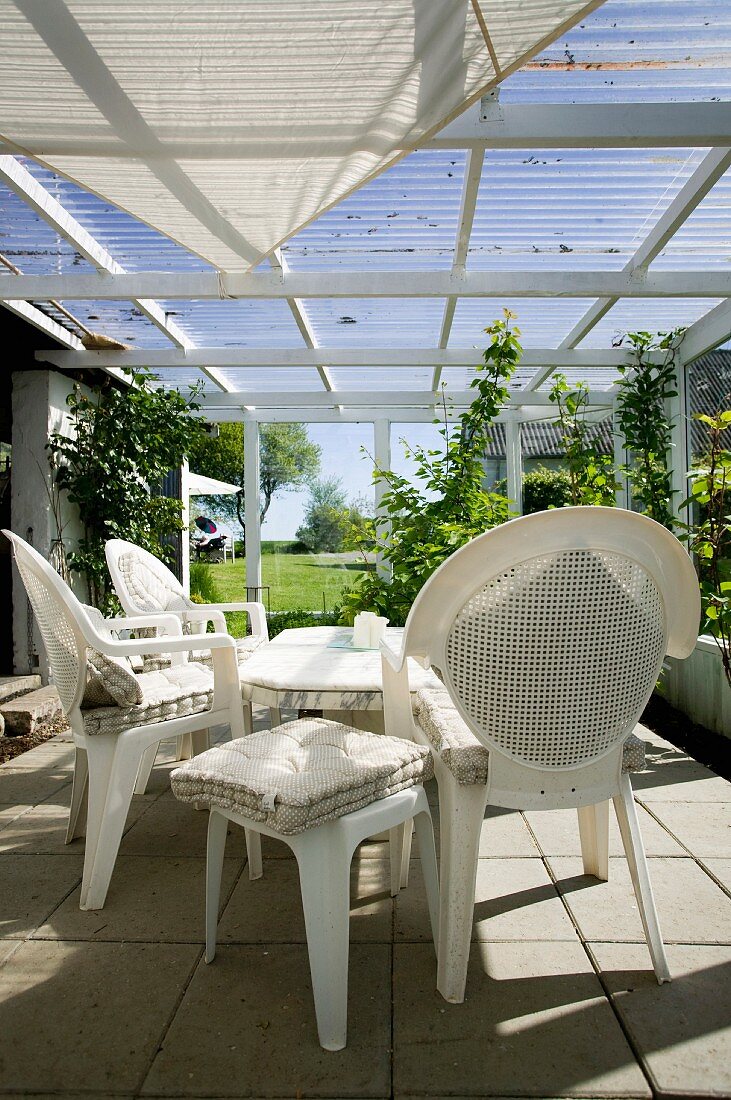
(459, 749)
(301, 774)
(169, 693)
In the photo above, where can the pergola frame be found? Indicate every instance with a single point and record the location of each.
(489, 125)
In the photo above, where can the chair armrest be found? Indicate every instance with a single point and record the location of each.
(158, 620)
(205, 614)
(394, 657)
(187, 643)
(256, 612)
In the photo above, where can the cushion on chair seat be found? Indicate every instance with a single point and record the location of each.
(154, 662)
(301, 774)
(463, 754)
(169, 693)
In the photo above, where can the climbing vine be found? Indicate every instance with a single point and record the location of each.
(591, 473)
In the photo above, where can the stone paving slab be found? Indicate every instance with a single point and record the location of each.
(557, 833)
(43, 828)
(246, 1027)
(704, 834)
(87, 1017)
(514, 900)
(721, 868)
(32, 887)
(691, 907)
(505, 834)
(151, 899)
(534, 1023)
(683, 1028)
(167, 827)
(23, 786)
(23, 714)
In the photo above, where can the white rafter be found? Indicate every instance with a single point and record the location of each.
(27, 188)
(693, 191)
(298, 311)
(470, 189)
(571, 283)
(45, 324)
(707, 332)
(495, 125)
(357, 398)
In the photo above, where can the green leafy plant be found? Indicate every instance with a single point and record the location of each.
(644, 391)
(709, 533)
(446, 504)
(591, 473)
(202, 585)
(111, 465)
(330, 522)
(544, 488)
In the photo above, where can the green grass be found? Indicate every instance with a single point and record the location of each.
(295, 580)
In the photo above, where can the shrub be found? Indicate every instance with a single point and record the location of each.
(202, 585)
(289, 620)
(544, 488)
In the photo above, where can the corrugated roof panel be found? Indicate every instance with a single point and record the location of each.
(459, 378)
(634, 51)
(543, 322)
(381, 378)
(645, 314)
(184, 378)
(130, 242)
(405, 218)
(120, 321)
(271, 379)
(376, 322)
(572, 208)
(704, 240)
(30, 243)
(246, 323)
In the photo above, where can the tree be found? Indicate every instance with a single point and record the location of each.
(288, 459)
(330, 522)
(121, 446)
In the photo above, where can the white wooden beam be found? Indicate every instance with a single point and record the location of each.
(587, 126)
(252, 399)
(27, 188)
(470, 189)
(514, 462)
(344, 415)
(573, 283)
(279, 263)
(251, 509)
(296, 358)
(382, 456)
(707, 333)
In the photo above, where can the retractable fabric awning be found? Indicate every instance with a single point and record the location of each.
(229, 126)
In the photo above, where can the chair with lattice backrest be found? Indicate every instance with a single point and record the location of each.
(115, 714)
(145, 586)
(549, 633)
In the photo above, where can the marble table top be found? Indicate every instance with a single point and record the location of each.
(297, 670)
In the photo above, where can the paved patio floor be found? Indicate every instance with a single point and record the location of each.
(561, 1000)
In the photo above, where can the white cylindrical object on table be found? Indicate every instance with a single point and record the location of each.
(362, 630)
(378, 626)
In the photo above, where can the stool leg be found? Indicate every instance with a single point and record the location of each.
(217, 828)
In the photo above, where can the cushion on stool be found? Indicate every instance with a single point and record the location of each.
(467, 759)
(301, 774)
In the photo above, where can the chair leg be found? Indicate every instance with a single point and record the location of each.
(217, 829)
(77, 812)
(116, 767)
(253, 854)
(396, 855)
(428, 855)
(629, 827)
(200, 740)
(248, 719)
(184, 748)
(147, 763)
(594, 835)
(462, 810)
(324, 868)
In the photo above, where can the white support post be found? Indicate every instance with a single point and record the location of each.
(678, 457)
(621, 494)
(514, 463)
(251, 506)
(185, 533)
(382, 456)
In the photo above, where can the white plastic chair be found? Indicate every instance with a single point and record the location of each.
(549, 633)
(290, 783)
(109, 762)
(145, 586)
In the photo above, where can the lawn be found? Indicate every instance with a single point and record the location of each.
(312, 582)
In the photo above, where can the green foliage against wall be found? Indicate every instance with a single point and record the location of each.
(446, 504)
(591, 473)
(645, 389)
(122, 444)
(709, 538)
(288, 459)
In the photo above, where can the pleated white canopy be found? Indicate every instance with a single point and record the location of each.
(229, 126)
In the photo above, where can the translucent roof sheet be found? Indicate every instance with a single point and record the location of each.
(645, 314)
(704, 240)
(376, 322)
(543, 322)
(242, 323)
(30, 243)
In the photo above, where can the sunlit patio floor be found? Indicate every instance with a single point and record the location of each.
(561, 1000)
